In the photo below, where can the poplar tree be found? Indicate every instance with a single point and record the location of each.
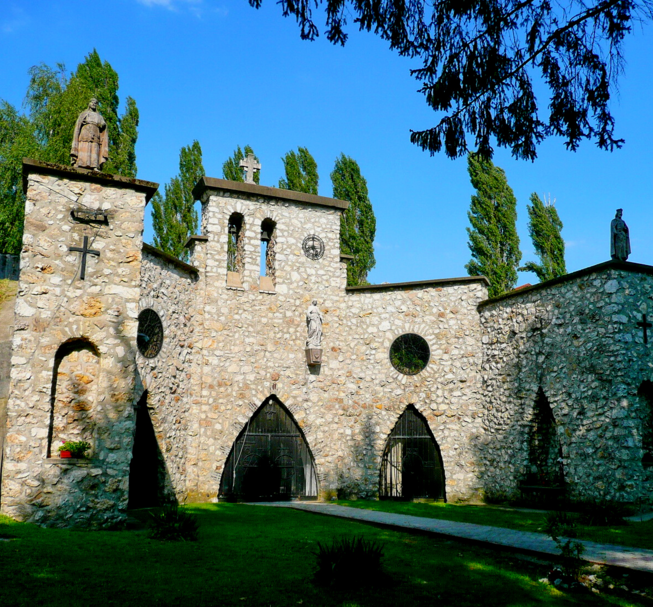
(54, 100)
(231, 168)
(357, 223)
(301, 172)
(545, 226)
(493, 239)
(174, 217)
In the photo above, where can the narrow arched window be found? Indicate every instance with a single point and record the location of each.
(268, 255)
(235, 250)
(73, 396)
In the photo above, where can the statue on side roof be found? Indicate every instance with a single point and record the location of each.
(619, 238)
(90, 149)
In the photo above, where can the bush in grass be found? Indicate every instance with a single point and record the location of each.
(562, 527)
(349, 561)
(172, 523)
(602, 514)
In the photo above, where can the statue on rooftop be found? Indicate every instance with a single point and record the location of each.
(619, 238)
(90, 149)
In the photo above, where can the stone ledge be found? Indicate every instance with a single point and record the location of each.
(196, 238)
(626, 266)
(68, 172)
(68, 461)
(206, 184)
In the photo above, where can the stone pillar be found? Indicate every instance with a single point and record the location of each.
(62, 318)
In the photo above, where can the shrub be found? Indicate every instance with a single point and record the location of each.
(349, 561)
(562, 527)
(173, 524)
(602, 514)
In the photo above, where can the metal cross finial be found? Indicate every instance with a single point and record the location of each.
(250, 165)
(84, 251)
(645, 325)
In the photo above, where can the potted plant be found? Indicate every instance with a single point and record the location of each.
(75, 449)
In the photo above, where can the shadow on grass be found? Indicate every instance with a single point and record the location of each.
(255, 555)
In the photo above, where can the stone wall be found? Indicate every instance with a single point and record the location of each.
(252, 345)
(576, 339)
(55, 309)
(6, 333)
(168, 288)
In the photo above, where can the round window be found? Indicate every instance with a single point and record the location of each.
(150, 333)
(409, 354)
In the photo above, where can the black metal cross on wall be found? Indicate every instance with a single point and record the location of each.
(84, 251)
(645, 325)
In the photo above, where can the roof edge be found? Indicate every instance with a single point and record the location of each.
(626, 266)
(170, 258)
(30, 165)
(418, 283)
(211, 183)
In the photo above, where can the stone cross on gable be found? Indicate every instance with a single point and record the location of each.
(250, 165)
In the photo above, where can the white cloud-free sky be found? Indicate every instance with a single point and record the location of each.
(227, 75)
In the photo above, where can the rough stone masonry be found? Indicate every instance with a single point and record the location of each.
(235, 335)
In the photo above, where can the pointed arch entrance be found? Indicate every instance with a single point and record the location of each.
(412, 465)
(270, 460)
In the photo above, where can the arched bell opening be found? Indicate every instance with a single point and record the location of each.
(412, 465)
(270, 460)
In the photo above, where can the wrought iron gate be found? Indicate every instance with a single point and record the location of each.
(270, 459)
(412, 466)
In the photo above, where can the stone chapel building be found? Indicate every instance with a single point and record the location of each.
(192, 381)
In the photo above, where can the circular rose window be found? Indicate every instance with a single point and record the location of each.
(409, 354)
(150, 333)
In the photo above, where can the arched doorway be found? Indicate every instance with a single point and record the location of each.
(544, 453)
(412, 466)
(147, 470)
(270, 459)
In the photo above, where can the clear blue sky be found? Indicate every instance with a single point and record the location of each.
(227, 75)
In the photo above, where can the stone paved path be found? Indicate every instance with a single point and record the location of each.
(607, 554)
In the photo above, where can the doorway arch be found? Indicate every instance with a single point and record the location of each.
(411, 467)
(270, 460)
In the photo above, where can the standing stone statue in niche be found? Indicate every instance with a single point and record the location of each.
(90, 149)
(619, 238)
(314, 341)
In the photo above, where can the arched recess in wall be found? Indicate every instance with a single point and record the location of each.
(73, 394)
(235, 249)
(268, 255)
(270, 460)
(645, 392)
(412, 466)
(544, 452)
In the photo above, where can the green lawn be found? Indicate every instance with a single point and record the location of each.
(255, 555)
(639, 535)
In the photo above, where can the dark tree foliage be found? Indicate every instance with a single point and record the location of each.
(545, 226)
(231, 168)
(357, 223)
(482, 59)
(53, 101)
(301, 172)
(493, 238)
(174, 218)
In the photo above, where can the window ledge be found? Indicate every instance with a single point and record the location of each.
(69, 461)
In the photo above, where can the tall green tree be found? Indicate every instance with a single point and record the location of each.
(53, 101)
(174, 217)
(301, 172)
(545, 226)
(357, 223)
(493, 238)
(231, 168)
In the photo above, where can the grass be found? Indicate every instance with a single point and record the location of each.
(7, 289)
(255, 555)
(638, 535)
